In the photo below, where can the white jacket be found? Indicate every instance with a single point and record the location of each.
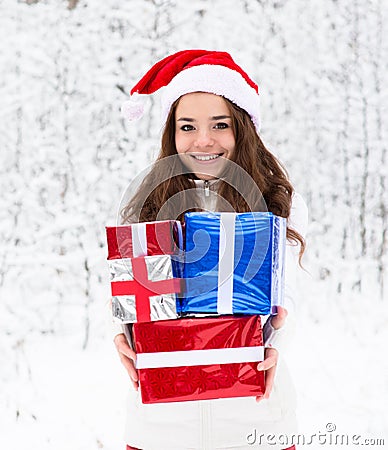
(232, 422)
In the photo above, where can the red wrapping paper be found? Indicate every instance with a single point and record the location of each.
(200, 382)
(162, 239)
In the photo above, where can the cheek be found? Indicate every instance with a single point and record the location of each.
(181, 143)
(229, 142)
(232, 141)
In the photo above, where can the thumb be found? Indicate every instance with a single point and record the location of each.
(278, 320)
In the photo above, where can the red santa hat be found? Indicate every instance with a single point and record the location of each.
(196, 71)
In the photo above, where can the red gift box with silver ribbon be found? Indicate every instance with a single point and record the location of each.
(145, 288)
(199, 358)
(145, 238)
(144, 261)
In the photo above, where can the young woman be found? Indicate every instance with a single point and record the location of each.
(212, 158)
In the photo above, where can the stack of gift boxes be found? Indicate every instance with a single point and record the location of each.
(194, 303)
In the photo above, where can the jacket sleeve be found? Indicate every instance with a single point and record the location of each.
(114, 327)
(280, 338)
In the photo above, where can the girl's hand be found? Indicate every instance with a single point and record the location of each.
(278, 320)
(271, 354)
(127, 357)
(269, 365)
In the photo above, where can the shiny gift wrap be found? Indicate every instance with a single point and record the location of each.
(144, 288)
(146, 238)
(199, 358)
(234, 263)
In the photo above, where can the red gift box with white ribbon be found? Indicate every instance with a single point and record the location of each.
(145, 238)
(199, 358)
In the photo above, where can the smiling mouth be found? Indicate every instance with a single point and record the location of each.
(206, 157)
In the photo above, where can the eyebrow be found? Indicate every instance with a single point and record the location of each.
(188, 119)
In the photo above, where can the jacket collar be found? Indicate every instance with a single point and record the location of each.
(206, 183)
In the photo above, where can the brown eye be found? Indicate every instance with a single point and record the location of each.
(187, 127)
(221, 126)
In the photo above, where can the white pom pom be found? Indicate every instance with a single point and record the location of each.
(132, 109)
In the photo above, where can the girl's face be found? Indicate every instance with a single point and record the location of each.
(204, 135)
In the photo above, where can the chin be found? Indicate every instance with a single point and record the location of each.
(207, 173)
(205, 177)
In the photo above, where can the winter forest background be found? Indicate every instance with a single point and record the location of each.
(67, 156)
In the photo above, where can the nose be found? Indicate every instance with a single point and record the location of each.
(203, 139)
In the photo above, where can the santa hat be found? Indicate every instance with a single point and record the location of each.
(196, 71)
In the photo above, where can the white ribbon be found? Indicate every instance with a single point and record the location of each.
(226, 263)
(282, 250)
(139, 239)
(199, 357)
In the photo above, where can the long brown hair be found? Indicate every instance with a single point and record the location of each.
(151, 201)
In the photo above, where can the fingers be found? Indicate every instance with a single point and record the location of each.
(269, 378)
(270, 360)
(130, 368)
(269, 366)
(279, 319)
(123, 347)
(282, 312)
(127, 358)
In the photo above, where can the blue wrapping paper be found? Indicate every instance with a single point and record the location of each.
(234, 263)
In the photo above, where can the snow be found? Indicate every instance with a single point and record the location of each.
(67, 157)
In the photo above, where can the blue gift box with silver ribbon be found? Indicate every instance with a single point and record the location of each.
(234, 263)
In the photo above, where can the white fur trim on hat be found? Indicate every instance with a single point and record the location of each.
(214, 79)
(132, 109)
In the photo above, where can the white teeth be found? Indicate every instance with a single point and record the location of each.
(206, 158)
